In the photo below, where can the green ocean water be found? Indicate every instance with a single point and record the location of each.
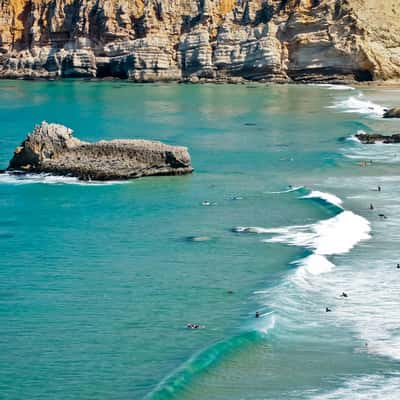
(98, 281)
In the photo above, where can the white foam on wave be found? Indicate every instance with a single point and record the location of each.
(308, 268)
(335, 235)
(371, 279)
(378, 152)
(368, 387)
(372, 307)
(357, 104)
(289, 190)
(250, 229)
(24, 179)
(354, 138)
(330, 86)
(328, 197)
(314, 264)
(265, 323)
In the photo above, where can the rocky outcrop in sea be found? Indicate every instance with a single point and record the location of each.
(392, 113)
(51, 148)
(200, 40)
(372, 138)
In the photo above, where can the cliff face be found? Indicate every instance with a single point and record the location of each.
(146, 40)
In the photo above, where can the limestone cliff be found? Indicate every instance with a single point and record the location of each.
(147, 40)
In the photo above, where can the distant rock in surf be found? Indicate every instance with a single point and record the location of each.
(51, 148)
(372, 138)
(392, 113)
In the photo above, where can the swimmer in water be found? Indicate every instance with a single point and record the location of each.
(383, 216)
(206, 203)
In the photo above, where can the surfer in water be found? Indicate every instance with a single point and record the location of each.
(398, 266)
(327, 309)
(379, 189)
(371, 206)
(194, 326)
(257, 314)
(344, 294)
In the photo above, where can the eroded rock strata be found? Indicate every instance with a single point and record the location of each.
(148, 40)
(372, 138)
(51, 148)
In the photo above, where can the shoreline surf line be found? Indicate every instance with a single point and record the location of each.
(317, 238)
(11, 178)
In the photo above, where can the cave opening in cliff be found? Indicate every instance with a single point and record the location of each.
(363, 75)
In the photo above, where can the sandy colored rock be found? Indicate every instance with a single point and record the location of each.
(51, 148)
(149, 40)
(392, 113)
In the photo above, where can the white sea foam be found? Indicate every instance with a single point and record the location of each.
(335, 235)
(289, 190)
(357, 104)
(314, 264)
(23, 179)
(371, 279)
(267, 323)
(368, 387)
(372, 307)
(354, 138)
(333, 87)
(328, 197)
(378, 152)
(250, 229)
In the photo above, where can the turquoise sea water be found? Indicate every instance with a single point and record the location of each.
(98, 281)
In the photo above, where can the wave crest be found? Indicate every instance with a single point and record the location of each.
(356, 104)
(335, 235)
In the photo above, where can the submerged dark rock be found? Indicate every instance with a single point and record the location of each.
(392, 113)
(371, 138)
(51, 148)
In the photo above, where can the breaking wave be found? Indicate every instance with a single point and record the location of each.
(327, 197)
(168, 387)
(357, 104)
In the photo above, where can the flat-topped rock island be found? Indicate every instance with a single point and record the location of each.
(52, 148)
